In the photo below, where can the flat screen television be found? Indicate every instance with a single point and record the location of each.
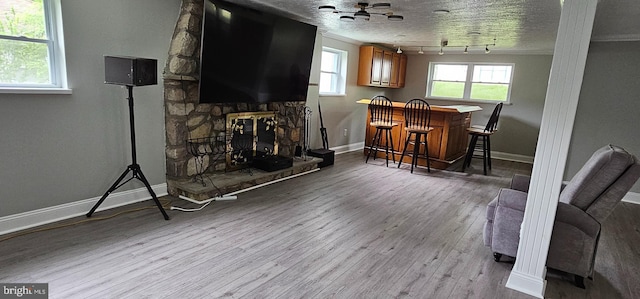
(250, 56)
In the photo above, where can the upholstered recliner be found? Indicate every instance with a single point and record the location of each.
(584, 203)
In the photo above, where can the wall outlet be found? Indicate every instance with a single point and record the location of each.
(345, 132)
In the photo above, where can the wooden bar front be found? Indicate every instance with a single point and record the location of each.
(447, 142)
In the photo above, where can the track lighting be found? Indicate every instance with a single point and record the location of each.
(362, 13)
(399, 51)
(444, 44)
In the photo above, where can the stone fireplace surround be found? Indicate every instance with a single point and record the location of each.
(187, 119)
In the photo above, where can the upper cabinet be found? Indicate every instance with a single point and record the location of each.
(381, 68)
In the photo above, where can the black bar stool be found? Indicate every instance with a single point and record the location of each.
(417, 119)
(381, 110)
(486, 132)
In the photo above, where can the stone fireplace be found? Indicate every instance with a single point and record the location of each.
(191, 126)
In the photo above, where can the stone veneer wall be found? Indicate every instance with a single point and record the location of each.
(185, 118)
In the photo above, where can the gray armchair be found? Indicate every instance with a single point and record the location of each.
(584, 203)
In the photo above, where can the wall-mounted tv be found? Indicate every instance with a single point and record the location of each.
(250, 56)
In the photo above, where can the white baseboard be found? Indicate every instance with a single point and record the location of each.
(511, 157)
(525, 283)
(632, 197)
(348, 148)
(17, 222)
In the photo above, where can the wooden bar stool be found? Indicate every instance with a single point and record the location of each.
(417, 118)
(381, 110)
(486, 132)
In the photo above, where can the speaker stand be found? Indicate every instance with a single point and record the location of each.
(134, 168)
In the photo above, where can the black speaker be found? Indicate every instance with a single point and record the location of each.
(328, 156)
(132, 71)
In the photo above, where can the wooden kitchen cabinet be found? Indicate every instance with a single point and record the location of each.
(398, 70)
(402, 71)
(381, 68)
(387, 58)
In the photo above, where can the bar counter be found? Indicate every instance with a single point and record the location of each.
(447, 142)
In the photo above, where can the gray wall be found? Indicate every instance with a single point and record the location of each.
(341, 112)
(59, 149)
(519, 123)
(609, 103)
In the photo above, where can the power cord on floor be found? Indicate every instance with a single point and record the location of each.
(166, 204)
(191, 210)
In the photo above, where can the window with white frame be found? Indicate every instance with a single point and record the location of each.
(470, 81)
(31, 46)
(333, 71)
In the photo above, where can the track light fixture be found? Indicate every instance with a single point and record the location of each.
(445, 45)
(399, 51)
(362, 13)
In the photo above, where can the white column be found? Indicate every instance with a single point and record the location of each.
(565, 81)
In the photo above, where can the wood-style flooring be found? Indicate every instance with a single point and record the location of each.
(352, 230)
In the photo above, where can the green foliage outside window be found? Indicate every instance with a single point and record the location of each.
(24, 61)
(485, 91)
(447, 89)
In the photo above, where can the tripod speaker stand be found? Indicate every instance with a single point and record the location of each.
(130, 71)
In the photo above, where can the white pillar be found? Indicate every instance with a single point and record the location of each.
(563, 91)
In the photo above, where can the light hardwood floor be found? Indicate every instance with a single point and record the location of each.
(352, 230)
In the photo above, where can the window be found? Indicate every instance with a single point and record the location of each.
(333, 71)
(470, 81)
(31, 50)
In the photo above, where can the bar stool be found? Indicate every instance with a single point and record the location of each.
(417, 120)
(486, 132)
(381, 110)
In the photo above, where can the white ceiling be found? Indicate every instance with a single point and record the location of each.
(518, 26)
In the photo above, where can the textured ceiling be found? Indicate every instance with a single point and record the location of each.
(526, 26)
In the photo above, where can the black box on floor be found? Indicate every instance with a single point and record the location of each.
(272, 163)
(326, 155)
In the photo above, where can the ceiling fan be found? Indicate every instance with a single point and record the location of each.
(362, 13)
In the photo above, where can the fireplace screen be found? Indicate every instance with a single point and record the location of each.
(250, 134)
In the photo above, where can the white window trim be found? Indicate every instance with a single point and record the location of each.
(57, 65)
(342, 75)
(467, 90)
